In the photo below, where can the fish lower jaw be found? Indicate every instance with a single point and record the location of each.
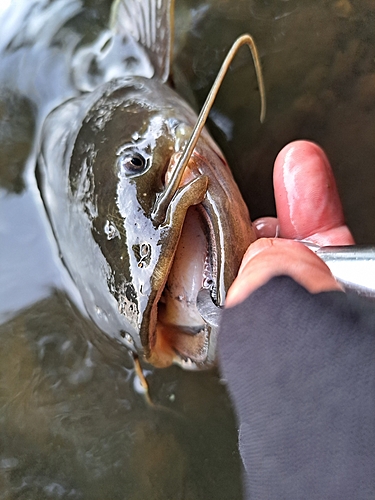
(173, 346)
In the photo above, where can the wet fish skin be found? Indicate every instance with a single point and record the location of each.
(117, 255)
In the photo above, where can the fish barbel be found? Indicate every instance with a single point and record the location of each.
(145, 218)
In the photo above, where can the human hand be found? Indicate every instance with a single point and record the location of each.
(308, 208)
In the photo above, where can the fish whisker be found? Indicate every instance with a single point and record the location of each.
(164, 199)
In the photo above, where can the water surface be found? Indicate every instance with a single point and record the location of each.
(74, 423)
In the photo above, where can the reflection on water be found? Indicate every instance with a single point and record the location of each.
(73, 424)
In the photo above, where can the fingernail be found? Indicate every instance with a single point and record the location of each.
(266, 227)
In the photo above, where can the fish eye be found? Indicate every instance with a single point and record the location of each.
(132, 163)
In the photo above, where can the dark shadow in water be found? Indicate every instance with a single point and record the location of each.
(72, 425)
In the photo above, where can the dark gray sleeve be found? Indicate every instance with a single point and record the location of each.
(301, 373)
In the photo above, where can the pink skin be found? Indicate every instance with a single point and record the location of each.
(308, 208)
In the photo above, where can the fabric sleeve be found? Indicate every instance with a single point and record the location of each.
(300, 369)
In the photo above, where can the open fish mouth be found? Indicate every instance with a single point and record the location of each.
(213, 236)
(182, 336)
(178, 333)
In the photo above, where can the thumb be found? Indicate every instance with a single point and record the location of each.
(307, 200)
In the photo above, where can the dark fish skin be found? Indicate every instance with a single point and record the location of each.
(106, 144)
(117, 255)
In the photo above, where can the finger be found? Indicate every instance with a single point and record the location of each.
(307, 201)
(266, 227)
(269, 257)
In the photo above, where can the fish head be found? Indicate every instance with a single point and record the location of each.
(158, 258)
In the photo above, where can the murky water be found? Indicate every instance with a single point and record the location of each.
(319, 68)
(74, 423)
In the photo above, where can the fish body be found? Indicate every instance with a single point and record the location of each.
(107, 158)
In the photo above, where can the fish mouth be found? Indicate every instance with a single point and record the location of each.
(214, 233)
(181, 335)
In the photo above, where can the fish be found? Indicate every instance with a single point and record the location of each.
(143, 225)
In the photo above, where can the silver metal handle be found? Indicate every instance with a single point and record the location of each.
(353, 266)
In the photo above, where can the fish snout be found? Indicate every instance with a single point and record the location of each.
(191, 172)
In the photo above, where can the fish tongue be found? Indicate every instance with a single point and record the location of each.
(179, 302)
